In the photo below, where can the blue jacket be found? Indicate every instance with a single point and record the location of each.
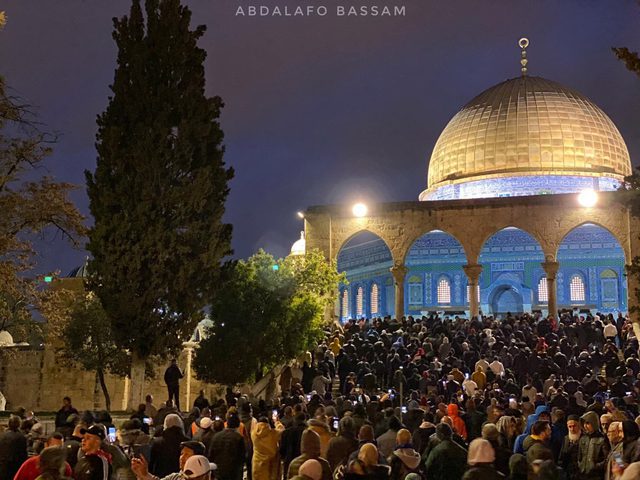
(531, 419)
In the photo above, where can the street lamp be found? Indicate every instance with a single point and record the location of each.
(359, 210)
(588, 198)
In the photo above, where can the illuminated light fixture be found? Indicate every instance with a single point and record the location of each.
(300, 215)
(275, 267)
(48, 279)
(359, 210)
(588, 198)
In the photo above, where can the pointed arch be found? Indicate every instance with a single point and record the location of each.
(366, 260)
(425, 235)
(590, 223)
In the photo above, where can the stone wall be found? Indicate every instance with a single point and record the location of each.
(37, 380)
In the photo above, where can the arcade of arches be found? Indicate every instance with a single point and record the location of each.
(517, 254)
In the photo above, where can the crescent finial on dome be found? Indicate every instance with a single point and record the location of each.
(523, 43)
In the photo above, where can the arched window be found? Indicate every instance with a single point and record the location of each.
(444, 290)
(576, 289)
(374, 299)
(359, 301)
(543, 293)
(477, 292)
(345, 303)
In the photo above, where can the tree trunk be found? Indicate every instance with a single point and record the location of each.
(136, 392)
(105, 390)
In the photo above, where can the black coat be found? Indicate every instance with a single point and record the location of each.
(290, 443)
(482, 472)
(165, 452)
(227, 451)
(172, 376)
(13, 452)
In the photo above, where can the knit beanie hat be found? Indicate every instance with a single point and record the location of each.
(480, 451)
(312, 469)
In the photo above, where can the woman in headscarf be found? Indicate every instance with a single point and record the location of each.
(506, 426)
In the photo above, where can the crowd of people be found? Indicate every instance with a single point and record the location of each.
(432, 398)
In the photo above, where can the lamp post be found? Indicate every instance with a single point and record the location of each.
(189, 346)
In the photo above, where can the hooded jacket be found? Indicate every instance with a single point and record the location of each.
(340, 448)
(404, 461)
(266, 457)
(165, 450)
(446, 461)
(518, 446)
(322, 429)
(592, 450)
(458, 424)
(310, 448)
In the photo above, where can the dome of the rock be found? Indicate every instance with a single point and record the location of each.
(526, 136)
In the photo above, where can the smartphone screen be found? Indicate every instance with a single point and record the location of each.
(403, 409)
(618, 459)
(335, 423)
(147, 420)
(274, 414)
(112, 434)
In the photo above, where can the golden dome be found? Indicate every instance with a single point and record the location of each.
(527, 127)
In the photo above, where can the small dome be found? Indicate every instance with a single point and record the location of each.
(200, 332)
(526, 136)
(81, 271)
(6, 340)
(299, 247)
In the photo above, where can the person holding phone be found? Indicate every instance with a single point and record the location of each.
(342, 445)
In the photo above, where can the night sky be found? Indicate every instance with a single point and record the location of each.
(320, 110)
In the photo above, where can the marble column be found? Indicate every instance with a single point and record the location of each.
(473, 271)
(551, 270)
(399, 271)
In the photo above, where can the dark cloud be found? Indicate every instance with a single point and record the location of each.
(321, 110)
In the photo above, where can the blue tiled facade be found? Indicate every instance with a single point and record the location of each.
(510, 280)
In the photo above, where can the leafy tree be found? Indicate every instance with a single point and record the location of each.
(267, 312)
(159, 188)
(630, 59)
(631, 187)
(88, 340)
(39, 206)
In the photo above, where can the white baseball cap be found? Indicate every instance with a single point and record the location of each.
(196, 466)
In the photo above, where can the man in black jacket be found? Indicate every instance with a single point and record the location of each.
(228, 451)
(290, 441)
(172, 376)
(13, 448)
(63, 414)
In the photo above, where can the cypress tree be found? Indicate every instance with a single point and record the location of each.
(159, 189)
